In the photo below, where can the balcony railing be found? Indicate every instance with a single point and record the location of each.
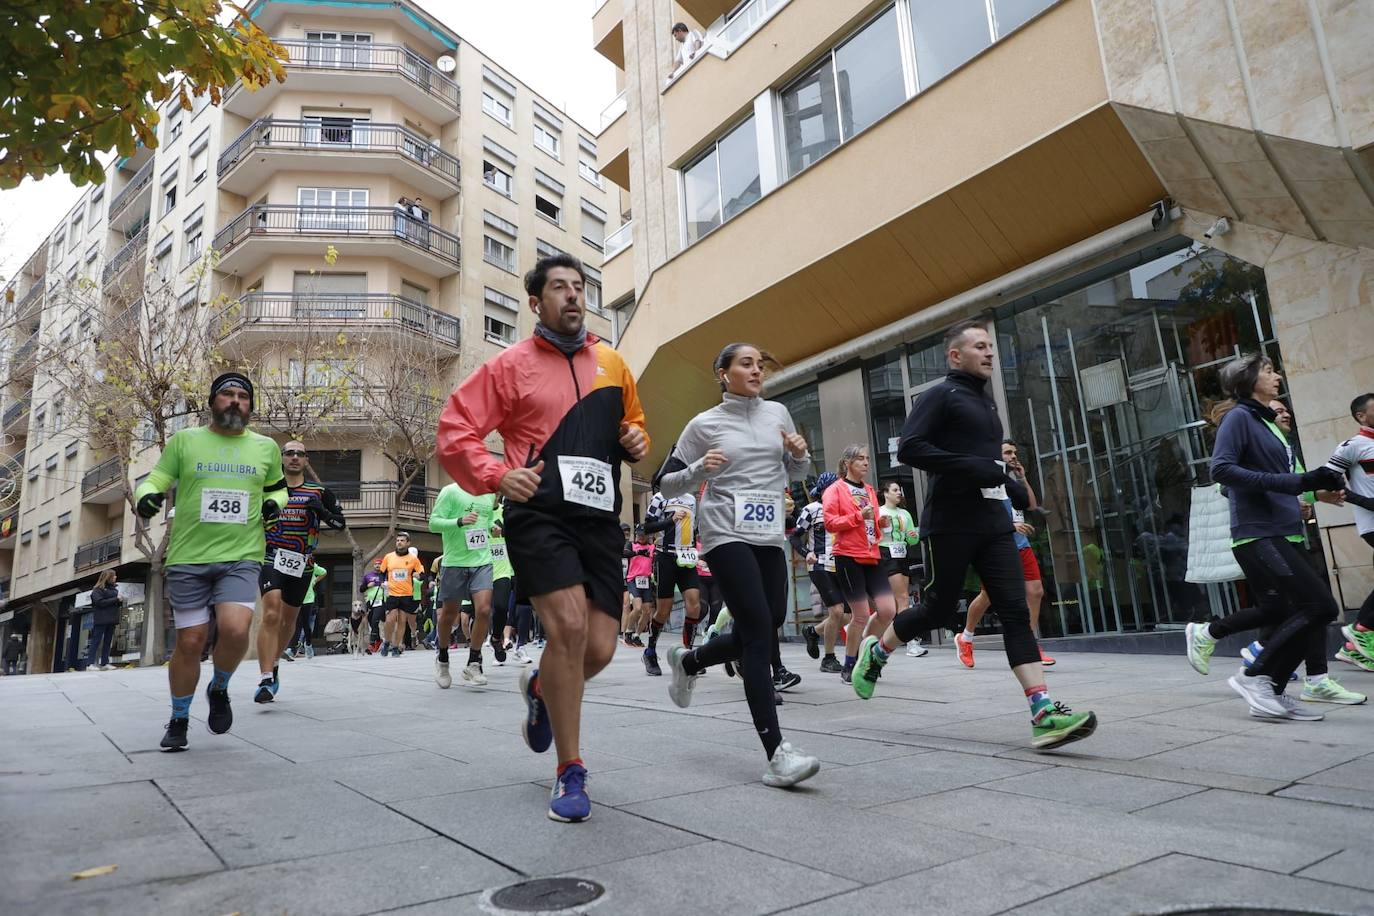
(372, 58)
(351, 404)
(33, 295)
(101, 550)
(266, 220)
(101, 476)
(136, 184)
(376, 497)
(133, 249)
(614, 110)
(14, 412)
(126, 321)
(304, 309)
(619, 240)
(25, 353)
(313, 135)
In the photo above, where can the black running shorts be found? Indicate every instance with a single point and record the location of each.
(826, 586)
(551, 552)
(293, 588)
(405, 603)
(671, 576)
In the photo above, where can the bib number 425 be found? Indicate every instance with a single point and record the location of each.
(587, 482)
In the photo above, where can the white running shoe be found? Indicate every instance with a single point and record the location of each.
(518, 656)
(1258, 692)
(1299, 711)
(789, 766)
(914, 649)
(473, 676)
(681, 684)
(441, 675)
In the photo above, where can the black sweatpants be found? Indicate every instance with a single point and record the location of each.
(753, 581)
(1294, 599)
(998, 564)
(1261, 617)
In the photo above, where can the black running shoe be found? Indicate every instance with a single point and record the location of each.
(813, 641)
(175, 737)
(785, 680)
(730, 668)
(847, 675)
(264, 692)
(499, 651)
(651, 667)
(831, 665)
(221, 716)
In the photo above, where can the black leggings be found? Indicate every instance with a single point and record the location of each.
(1294, 601)
(502, 607)
(996, 560)
(711, 601)
(524, 617)
(753, 581)
(1262, 617)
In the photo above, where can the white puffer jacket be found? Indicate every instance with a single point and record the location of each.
(1209, 538)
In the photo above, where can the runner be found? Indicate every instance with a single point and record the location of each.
(410, 619)
(812, 541)
(898, 534)
(568, 413)
(954, 434)
(675, 568)
(1030, 567)
(639, 583)
(399, 568)
(745, 450)
(464, 521)
(373, 590)
(1354, 459)
(850, 514)
(287, 579)
(228, 480)
(711, 601)
(503, 594)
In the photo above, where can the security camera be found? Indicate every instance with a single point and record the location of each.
(1220, 227)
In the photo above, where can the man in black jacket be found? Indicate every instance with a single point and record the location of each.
(954, 434)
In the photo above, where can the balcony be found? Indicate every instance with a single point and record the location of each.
(25, 360)
(95, 553)
(265, 230)
(131, 205)
(373, 499)
(103, 483)
(355, 69)
(260, 318)
(613, 143)
(608, 32)
(707, 10)
(355, 407)
(618, 268)
(271, 145)
(125, 269)
(31, 299)
(15, 420)
(619, 240)
(125, 321)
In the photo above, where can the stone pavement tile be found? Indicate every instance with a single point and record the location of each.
(684, 777)
(1145, 768)
(1175, 882)
(1356, 774)
(251, 828)
(923, 773)
(1092, 789)
(1102, 835)
(446, 906)
(49, 835)
(829, 748)
(1349, 866)
(810, 831)
(987, 883)
(37, 717)
(1290, 750)
(658, 746)
(1329, 795)
(1278, 817)
(511, 824)
(933, 742)
(322, 742)
(341, 884)
(421, 774)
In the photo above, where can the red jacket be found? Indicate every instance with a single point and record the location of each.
(844, 519)
(544, 404)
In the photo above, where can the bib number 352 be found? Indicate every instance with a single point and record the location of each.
(224, 507)
(289, 562)
(587, 482)
(758, 512)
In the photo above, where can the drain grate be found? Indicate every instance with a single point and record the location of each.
(546, 895)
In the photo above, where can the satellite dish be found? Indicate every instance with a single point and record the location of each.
(446, 64)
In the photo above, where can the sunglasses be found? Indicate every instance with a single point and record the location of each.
(294, 453)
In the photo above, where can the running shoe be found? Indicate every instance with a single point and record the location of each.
(785, 680)
(651, 667)
(680, 687)
(1328, 691)
(831, 665)
(499, 652)
(175, 737)
(723, 620)
(813, 641)
(536, 728)
(472, 675)
(1297, 710)
(221, 716)
(569, 802)
(636, 641)
(1046, 660)
(847, 674)
(309, 651)
(1348, 655)
(914, 649)
(1362, 639)
(1201, 645)
(789, 766)
(866, 668)
(441, 675)
(289, 654)
(729, 668)
(264, 693)
(520, 657)
(964, 646)
(1061, 726)
(1258, 693)
(1252, 652)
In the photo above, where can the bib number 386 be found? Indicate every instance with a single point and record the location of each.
(758, 512)
(224, 507)
(587, 482)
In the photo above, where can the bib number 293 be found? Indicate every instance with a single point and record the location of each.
(758, 512)
(587, 482)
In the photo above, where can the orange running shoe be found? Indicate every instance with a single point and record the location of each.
(1045, 659)
(964, 645)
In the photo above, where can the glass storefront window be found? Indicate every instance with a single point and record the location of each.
(804, 404)
(887, 410)
(868, 71)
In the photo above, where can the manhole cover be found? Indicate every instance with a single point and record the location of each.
(546, 895)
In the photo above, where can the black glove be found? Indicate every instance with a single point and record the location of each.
(150, 505)
(270, 510)
(1323, 478)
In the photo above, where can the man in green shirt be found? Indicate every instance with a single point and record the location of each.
(228, 479)
(503, 594)
(464, 521)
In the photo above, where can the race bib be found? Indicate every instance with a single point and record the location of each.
(400, 575)
(498, 553)
(587, 482)
(476, 538)
(686, 556)
(998, 492)
(871, 531)
(898, 551)
(826, 561)
(641, 581)
(289, 563)
(758, 512)
(224, 507)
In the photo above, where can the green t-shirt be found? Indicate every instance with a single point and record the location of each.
(221, 482)
(902, 530)
(500, 560)
(316, 574)
(452, 504)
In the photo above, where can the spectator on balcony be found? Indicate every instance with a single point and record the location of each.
(105, 609)
(403, 212)
(689, 46)
(419, 224)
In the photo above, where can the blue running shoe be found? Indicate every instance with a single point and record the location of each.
(536, 728)
(1252, 651)
(569, 802)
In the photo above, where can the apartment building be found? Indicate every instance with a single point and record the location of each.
(381, 102)
(839, 181)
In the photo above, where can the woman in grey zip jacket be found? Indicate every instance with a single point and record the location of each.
(745, 450)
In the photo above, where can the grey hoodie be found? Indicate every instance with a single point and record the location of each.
(748, 431)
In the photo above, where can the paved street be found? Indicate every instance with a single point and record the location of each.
(366, 789)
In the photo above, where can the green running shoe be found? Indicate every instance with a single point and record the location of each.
(1062, 726)
(1363, 640)
(1354, 658)
(1328, 691)
(866, 668)
(1201, 645)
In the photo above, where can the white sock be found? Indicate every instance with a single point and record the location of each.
(1314, 681)
(968, 634)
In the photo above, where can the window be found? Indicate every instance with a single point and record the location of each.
(947, 35)
(194, 235)
(498, 331)
(329, 295)
(544, 250)
(593, 225)
(97, 197)
(498, 253)
(588, 171)
(499, 109)
(332, 208)
(45, 529)
(76, 226)
(174, 113)
(59, 242)
(1012, 14)
(318, 373)
(200, 156)
(810, 117)
(58, 422)
(586, 159)
(72, 448)
(169, 190)
(868, 74)
(339, 49)
(26, 537)
(500, 225)
(64, 520)
(187, 298)
(337, 467)
(548, 209)
(546, 139)
(591, 288)
(93, 252)
(497, 178)
(162, 258)
(499, 317)
(723, 182)
(498, 96)
(500, 300)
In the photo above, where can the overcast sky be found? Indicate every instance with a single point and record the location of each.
(545, 43)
